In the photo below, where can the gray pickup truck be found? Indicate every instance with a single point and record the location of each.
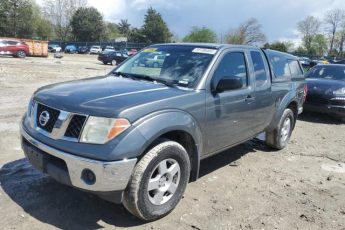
(138, 134)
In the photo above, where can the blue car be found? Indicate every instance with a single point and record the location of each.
(72, 49)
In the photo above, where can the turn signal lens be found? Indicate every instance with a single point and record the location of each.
(119, 126)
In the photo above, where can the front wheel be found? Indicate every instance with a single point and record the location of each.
(113, 62)
(280, 136)
(21, 54)
(158, 181)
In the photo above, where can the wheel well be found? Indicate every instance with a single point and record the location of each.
(187, 141)
(293, 107)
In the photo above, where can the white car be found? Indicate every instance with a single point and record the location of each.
(95, 50)
(109, 49)
(54, 48)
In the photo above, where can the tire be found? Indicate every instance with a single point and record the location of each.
(155, 65)
(280, 136)
(21, 54)
(105, 62)
(113, 62)
(166, 190)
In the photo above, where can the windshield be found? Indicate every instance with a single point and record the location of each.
(331, 72)
(181, 65)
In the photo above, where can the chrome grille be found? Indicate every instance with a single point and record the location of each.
(61, 124)
(75, 126)
(53, 113)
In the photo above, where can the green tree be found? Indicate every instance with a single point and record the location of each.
(111, 31)
(42, 28)
(87, 24)
(248, 33)
(154, 28)
(137, 35)
(16, 18)
(280, 46)
(202, 34)
(319, 45)
(308, 28)
(124, 27)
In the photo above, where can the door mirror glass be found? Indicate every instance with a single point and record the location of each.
(229, 83)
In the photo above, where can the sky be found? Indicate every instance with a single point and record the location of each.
(277, 17)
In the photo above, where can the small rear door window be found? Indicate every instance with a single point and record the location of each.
(261, 75)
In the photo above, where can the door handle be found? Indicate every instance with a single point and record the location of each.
(250, 98)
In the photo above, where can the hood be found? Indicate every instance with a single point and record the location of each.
(323, 86)
(104, 96)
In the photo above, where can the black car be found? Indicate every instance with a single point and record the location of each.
(83, 50)
(113, 57)
(326, 90)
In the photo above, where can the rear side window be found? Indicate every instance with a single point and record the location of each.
(295, 68)
(259, 68)
(280, 67)
(12, 43)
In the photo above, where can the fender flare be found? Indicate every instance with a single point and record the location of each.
(154, 125)
(282, 105)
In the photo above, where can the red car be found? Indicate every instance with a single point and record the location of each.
(13, 47)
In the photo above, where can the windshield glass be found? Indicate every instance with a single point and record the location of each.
(327, 72)
(182, 65)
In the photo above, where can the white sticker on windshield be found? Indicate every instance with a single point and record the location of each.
(204, 51)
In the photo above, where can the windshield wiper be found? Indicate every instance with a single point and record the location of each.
(158, 80)
(121, 74)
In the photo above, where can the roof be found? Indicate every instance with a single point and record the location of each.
(206, 45)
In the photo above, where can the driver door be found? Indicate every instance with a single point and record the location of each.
(229, 113)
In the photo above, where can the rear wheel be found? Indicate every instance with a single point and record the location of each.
(155, 65)
(21, 54)
(280, 136)
(158, 181)
(105, 62)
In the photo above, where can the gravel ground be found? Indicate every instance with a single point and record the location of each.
(246, 187)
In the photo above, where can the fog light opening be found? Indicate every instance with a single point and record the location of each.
(88, 176)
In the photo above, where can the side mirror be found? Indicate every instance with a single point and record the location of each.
(229, 83)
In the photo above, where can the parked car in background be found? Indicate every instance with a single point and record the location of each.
(304, 60)
(108, 49)
(95, 49)
(132, 52)
(326, 90)
(54, 48)
(338, 62)
(154, 60)
(71, 49)
(83, 50)
(113, 57)
(13, 47)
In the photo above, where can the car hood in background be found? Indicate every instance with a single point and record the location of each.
(104, 96)
(323, 86)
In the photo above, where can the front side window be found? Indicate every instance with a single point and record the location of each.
(232, 65)
(181, 65)
(259, 68)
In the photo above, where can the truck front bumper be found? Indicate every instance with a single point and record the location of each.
(86, 174)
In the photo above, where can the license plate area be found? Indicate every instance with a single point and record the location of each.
(36, 158)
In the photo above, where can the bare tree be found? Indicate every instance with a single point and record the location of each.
(333, 19)
(308, 28)
(248, 33)
(60, 12)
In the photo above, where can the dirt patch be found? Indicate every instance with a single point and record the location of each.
(247, 187)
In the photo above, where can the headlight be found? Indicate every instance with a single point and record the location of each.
(30, 112)
(99, 130)
(340, 91)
